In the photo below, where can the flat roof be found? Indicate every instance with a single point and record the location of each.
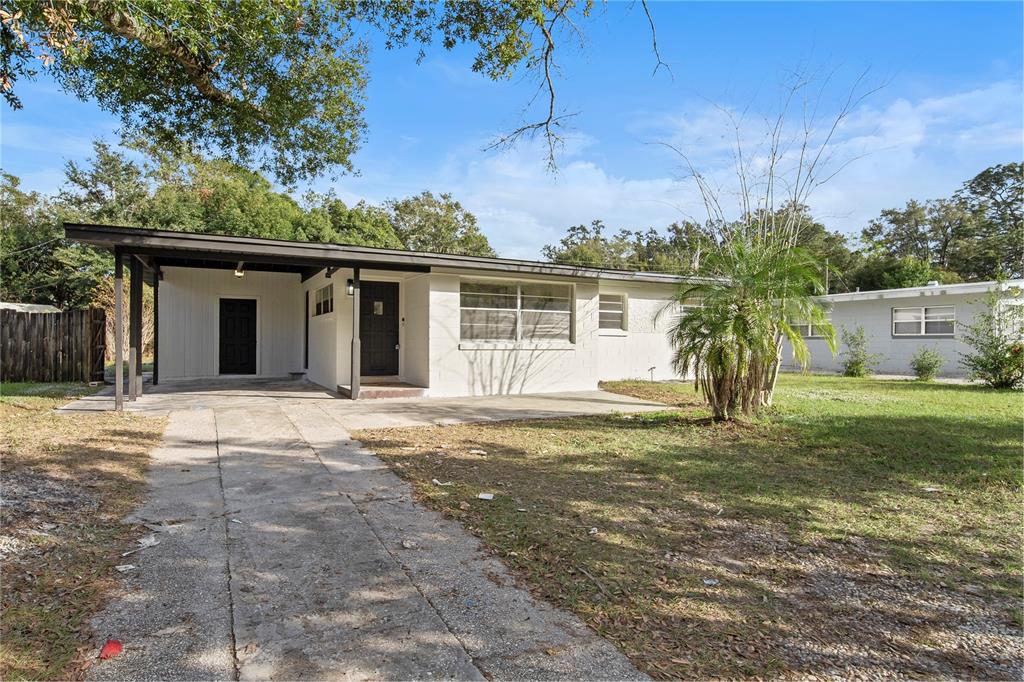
(929, 290)
(170, 247)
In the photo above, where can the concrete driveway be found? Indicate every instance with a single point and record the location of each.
(286, 551)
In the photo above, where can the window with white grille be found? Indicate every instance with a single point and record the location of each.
(924, 321)
(324, 300)
(612, 312)
(515, 311)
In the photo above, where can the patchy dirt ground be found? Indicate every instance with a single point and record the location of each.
(67, 482)
(759, 550)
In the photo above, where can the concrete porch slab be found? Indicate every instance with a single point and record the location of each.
(357, 414)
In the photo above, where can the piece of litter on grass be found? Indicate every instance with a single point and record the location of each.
(478, 452)
(235, 521)
(486, 496)
(521, 509)
(933, 490)
(592, 531)
(408, 544)
(437, 482)
(148, 541)
(124, 568)
(110, 649)
(710, 582)
(129, 552)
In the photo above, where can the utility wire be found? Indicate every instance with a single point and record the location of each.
(34, 246)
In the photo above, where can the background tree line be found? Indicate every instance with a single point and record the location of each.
(192, 193)
(976, 234)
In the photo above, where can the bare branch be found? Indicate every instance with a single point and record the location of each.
(548, 127)
(654, 43)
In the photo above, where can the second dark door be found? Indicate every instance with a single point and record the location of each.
(237, 336)
(378, 328)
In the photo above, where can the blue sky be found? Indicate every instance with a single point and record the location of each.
(951, 106)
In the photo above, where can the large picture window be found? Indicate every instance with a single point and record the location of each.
(515, 311)
(924, 321)
(324, 300)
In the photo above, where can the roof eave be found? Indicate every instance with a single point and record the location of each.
(216, 247)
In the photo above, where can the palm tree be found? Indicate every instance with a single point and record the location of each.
(757, 290)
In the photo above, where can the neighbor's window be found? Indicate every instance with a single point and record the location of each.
(930, 321)
(324, 300)
(513, 311)
(612, 312)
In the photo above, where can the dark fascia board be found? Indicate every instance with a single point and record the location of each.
(224, 247)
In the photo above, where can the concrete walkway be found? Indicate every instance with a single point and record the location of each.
(286, 551)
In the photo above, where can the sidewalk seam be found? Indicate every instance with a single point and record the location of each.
(405, 571)
(227, 550)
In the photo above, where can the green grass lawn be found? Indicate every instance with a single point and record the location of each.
(863, 526)
(68, 481)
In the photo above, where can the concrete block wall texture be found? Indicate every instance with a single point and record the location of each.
(895, 352)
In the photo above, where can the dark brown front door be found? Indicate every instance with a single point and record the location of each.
(378, 328)
(237, 336)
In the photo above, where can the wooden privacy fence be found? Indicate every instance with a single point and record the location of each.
(66, 346)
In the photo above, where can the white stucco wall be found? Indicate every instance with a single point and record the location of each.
(481, 368)
(631, 354)
(190, 315)
(895, 352)
(415, 330)
(323, 334)
(431, 353)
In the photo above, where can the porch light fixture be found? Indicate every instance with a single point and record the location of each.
(240, 269)
(350, 287)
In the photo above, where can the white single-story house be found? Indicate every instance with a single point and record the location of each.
(898, 322)
(371, 322)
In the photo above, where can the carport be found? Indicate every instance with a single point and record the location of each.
(145, 253)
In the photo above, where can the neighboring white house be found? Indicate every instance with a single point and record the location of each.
(897, 322)
(448, 325)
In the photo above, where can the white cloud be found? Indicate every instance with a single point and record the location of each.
(924, 149)
(919, 149)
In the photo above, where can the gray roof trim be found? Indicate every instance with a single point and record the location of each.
(932, 290)
(216, 246)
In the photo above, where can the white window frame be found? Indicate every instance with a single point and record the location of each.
(315, 301)
(623, 324)
(519, 340)
(923, 319)
(807, 329)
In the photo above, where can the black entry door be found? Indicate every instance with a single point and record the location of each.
(237, 336)
(378, 328)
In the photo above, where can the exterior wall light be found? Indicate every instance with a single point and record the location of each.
(350, 287)
(240, 269)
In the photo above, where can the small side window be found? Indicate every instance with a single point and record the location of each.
(324, 300)
(612, 312)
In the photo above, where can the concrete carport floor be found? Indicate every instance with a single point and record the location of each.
(287, 551)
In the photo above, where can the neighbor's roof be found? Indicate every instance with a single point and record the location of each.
(172, 247)
(930, 290)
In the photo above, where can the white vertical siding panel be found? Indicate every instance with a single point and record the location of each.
(190, 314)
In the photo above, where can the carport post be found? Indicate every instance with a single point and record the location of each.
(156, 326)
(118, 331)
(134, 328)
(356, 369)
